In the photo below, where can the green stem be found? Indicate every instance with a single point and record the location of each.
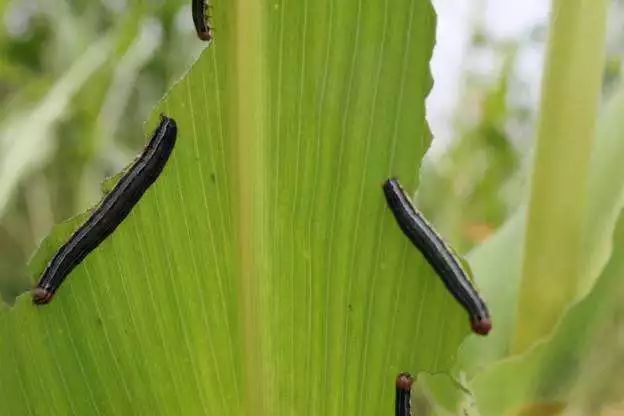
(569, 104)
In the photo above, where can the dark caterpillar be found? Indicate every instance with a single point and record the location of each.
(201, 19)
(402, 403)
(438, 254)
(111, 211)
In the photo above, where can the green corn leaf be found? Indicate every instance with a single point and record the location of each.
(262, 274)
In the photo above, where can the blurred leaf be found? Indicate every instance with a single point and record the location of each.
(496, 267)
(606, 192)
(126, 72)
(552, 251)
(548, 373)
(262, 274)
(25, 138)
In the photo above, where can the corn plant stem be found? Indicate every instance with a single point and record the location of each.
(569, 102)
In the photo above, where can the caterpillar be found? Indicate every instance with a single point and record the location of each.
(439, 255)
(402, 403)
(200, 19)
(110, 212)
